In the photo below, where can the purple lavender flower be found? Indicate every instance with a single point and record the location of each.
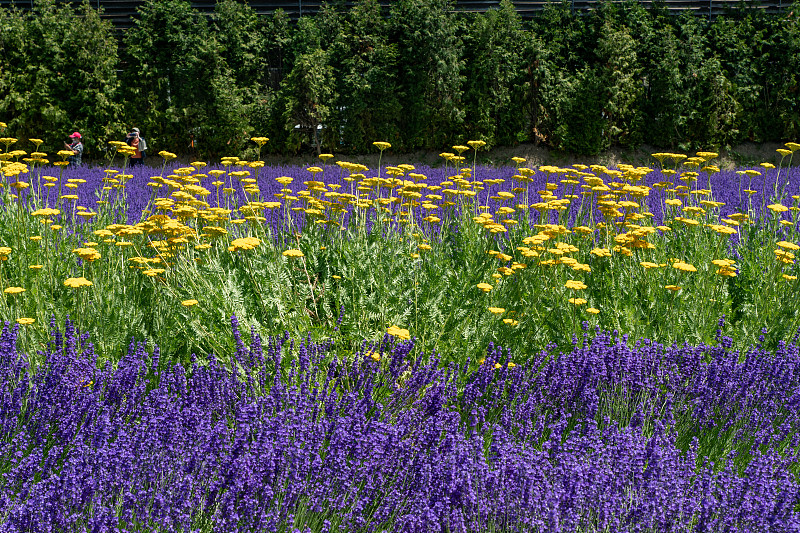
(610, 436)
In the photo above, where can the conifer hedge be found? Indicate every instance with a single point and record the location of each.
(420, 75)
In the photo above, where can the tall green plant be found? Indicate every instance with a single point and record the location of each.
(58, 74)
(665, 107)
(621, 77)
(494, 81)
(781, 68)
(366, 62)
(431, 71)
(309, 93)
(180, 87)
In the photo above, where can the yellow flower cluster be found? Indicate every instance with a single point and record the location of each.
(244, 243)
(399, 333)
(76, 283)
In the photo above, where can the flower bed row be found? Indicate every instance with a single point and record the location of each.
(290, 436)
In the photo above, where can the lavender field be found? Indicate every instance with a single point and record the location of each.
(227, 346)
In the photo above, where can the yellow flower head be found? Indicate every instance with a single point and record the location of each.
(24, 321)
(497, 310)
(13, 291)
(381, 145)
(293, 253)
(777, 208)
(402, 334)
(707, 156)
(260, 141)
(244, 243)
(788, 245)
(87, 254)
(476, 144)
(685, 267)
(485, 287)
(77, 282)
(575, 285)
(189, 303)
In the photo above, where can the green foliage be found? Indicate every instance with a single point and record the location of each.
(58, 74)
(621, 76)
(367, 106)
(431, 71)
(495, 84)
(580, 124)
(178, 82)
(420, 75)
(267, 114)
(308, 103)
(664, 106)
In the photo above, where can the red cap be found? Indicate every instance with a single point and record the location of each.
(74, 135)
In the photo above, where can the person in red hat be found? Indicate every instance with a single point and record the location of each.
(77, 149)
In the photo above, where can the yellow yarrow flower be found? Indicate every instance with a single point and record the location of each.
(244, 243)
(497, 310)
(87, 254)
(601, 252)
(189, 303)
(400, 333)
(13, 291)
(792, 146)
(77, 282)
(788, 245)
(24, 321)
(685, 267)
(293, 253)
